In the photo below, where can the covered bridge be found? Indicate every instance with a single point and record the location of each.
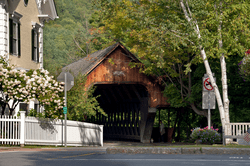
(129, 98)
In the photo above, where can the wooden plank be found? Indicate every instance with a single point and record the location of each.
(136, 92)
(109, 123)
(134, 118)
(128, 119)
(107, 97)
(138, 118)
(119, 91)
(123, 120)
(120, 120)
(101, 97)
(127, 91)
(115, 121)
(112, 120)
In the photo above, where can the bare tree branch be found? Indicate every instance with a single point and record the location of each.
(79, 46)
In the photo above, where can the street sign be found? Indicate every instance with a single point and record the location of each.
(208, 97)
(205, 100)
(70, 80)
(207, 85)
(65, 110)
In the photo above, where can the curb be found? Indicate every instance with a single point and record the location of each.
(202, 150)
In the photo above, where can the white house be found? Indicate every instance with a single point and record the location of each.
(21, 34)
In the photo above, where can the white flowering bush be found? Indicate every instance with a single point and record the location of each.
(24, 86)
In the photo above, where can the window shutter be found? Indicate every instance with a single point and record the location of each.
(11, 36)
(32, 44)
(19, 41)
(37, 47)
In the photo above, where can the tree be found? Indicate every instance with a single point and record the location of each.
(23, 86)
(81, 102)
(168, 34)
(66, 38)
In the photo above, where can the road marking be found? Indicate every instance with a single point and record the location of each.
(71, 156)
(236, 157)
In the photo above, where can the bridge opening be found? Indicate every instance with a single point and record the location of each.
(123, 104)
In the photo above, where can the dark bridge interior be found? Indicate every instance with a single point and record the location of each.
(123, 104)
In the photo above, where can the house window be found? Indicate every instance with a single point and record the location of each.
(24, 107)
(35, 42)
(26, 2)
(37, 108)
(14, 34)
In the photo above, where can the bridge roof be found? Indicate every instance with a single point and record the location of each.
(88, 63)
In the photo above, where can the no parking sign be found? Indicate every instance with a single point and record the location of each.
(208, 85)
(206, 98)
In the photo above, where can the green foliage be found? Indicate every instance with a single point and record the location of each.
(2, 134)
(34, 113)
(173, 95)
(206, 135)
(164, 117)
(67, 36)
(159, 34)
(81, 102)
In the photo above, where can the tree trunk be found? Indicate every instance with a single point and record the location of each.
(193, 23)
(12, 111)
(2, 112)
(224, 78)
(202, 113)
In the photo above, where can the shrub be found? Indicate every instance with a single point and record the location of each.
(34, 113)
(206, 135)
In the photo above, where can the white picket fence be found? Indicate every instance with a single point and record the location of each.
(30, 130)
(10, 128)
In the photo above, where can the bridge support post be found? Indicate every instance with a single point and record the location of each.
(147, 121)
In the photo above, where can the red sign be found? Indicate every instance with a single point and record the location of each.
(208, 85)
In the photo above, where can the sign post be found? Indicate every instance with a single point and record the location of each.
(68, 79)
(208, 97)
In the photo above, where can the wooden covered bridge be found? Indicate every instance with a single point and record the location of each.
(129, 98)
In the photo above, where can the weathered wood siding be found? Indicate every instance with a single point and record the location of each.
(119, 72)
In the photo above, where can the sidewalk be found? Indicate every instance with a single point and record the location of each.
(126, 147)
(118, 147)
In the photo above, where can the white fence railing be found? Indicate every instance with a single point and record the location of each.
(31, 130)
(10, 130)
(238, 130)
(235, 130)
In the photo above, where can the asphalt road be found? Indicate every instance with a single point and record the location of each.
(100, 158)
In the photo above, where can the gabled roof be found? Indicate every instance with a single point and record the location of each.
(88, 63)
(47, 9)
